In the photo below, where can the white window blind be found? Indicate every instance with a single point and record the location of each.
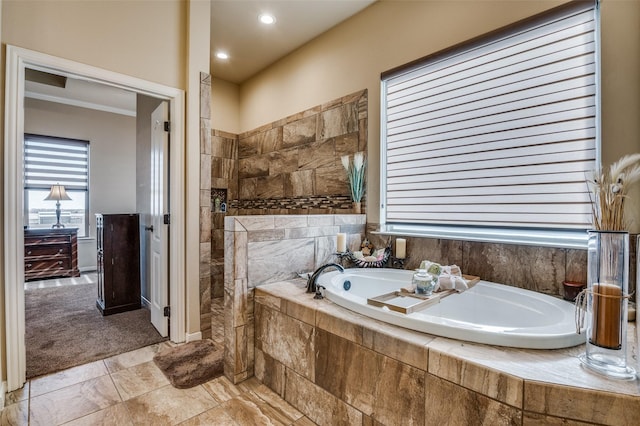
(500, 134)
(48, 161)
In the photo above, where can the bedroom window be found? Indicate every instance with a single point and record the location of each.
(497, 135)
(49, 161)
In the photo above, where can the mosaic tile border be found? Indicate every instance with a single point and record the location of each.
(311, 202)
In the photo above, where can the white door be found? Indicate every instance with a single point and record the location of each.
(157, 264)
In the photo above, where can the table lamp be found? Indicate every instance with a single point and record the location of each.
(57, 193)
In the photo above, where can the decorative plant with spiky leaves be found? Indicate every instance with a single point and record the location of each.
(610, 188)
(355, 173)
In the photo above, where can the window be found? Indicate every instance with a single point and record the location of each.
(49, 161)
(496, 134)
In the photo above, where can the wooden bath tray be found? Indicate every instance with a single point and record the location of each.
(406, 303)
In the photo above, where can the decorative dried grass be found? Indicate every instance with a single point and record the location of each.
(610, 188)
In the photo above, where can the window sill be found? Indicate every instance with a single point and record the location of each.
(569, 239)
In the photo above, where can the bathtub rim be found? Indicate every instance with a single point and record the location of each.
(513, 340)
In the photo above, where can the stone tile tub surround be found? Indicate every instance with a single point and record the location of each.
(338, 367)
(265, 249)
(541, 269)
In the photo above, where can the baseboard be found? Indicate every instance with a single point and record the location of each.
(145, 302)
(86, 269)
(191, 337)
(3, 391)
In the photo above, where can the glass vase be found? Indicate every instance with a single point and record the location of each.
(637, 296)
(606, 310)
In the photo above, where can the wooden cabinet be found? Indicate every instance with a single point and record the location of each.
(118, 243)
(50, 253)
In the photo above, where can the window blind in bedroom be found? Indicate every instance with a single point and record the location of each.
(49, 160)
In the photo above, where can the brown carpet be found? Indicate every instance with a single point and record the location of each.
(64, 328)
(191, 364)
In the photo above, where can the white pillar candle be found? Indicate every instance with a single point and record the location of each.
(342, 242)
(401, 248)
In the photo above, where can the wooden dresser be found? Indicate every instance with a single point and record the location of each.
(50, 253)
(118, 241)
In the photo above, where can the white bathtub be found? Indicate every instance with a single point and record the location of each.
(488, 313)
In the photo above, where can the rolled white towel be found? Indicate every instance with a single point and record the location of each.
(449, 282)
(461, 284)
(452, 270)
(450, 276)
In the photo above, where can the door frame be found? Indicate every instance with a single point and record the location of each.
(17, 59)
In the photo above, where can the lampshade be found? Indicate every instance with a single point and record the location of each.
(57, 193)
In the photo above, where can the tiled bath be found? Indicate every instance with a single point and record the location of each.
(338, 367)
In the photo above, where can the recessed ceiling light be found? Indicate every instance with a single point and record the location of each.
(222, 55)
(267, 19)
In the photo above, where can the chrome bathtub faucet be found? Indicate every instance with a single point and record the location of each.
(312, 286)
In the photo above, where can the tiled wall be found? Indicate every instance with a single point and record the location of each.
(265, 249)
(205, 205)
(293, 166)
(542, 269)
(224, 176)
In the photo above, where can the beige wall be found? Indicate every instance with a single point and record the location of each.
(620, 22)
(225, 106)
(144, 39)
(390, 33)
(3, 354)
(197, 69)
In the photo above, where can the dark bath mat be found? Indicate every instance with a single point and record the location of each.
(191, 364)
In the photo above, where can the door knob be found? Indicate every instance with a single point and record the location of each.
(148, 228)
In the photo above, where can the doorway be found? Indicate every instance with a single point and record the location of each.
(18, 60)
(77, 133)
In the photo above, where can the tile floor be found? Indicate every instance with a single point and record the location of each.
(129, 389)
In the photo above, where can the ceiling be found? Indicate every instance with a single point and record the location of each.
(79, 93)
(253, 46)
